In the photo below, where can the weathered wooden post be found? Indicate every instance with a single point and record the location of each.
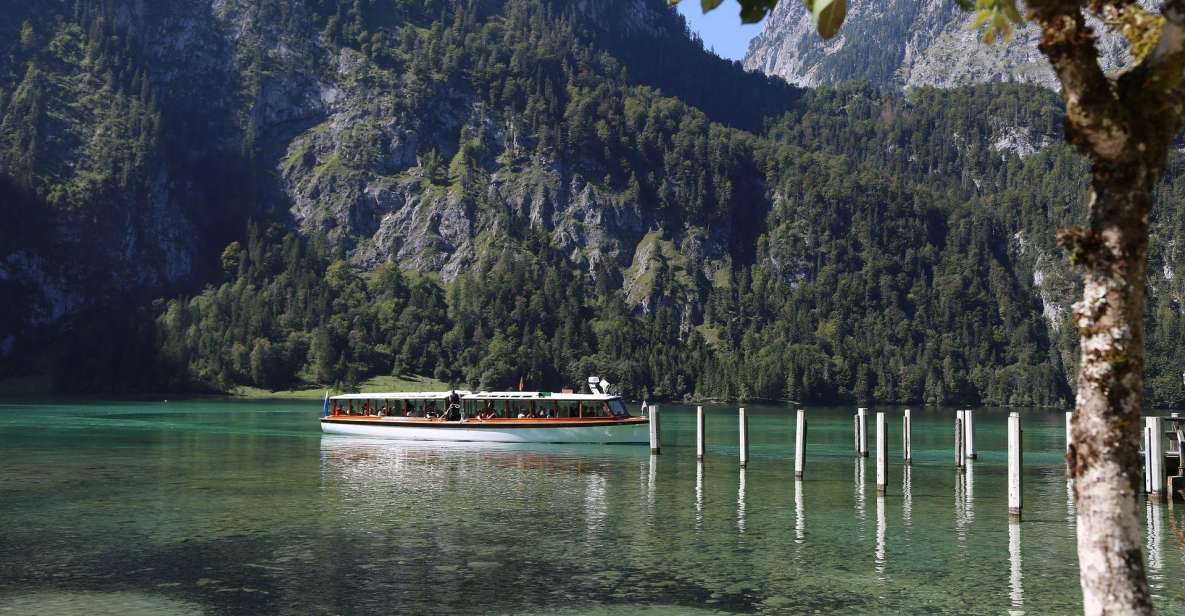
(654, 436)
(744, 436)
(969, 434)
(1154, 457)
(856, 433)
(882, 453)
(1069, 429)
(1015, 460)
(862, 414)
(959, 451)
(700, 434)
(800, 445)
(906, 438)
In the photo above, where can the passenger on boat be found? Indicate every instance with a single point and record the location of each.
(522, 414)
(453, 413)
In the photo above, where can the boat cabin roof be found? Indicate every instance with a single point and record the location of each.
(535, 395)
(481, 395)
(402, 395)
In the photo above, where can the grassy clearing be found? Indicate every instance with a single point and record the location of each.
(377, 384)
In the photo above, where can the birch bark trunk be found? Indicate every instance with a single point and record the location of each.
(1104, 454)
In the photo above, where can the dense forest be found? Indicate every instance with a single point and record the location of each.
(528, 189)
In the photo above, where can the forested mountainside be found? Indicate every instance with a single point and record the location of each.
(287, 192)
(904, 43)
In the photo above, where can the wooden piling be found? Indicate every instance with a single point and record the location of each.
(1144, 447)
(862, 415)
(969, 434)
(1154, 457)
(882, 453)
(744, 436)
(906, 438)
(856, 433)
(700, 433)
(654, 436)
(960, 462)
(800, 445)
(1015, 460)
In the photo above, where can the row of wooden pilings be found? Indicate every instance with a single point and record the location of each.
(964, 444)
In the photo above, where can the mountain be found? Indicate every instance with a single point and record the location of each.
(294, 192)
(903, 43)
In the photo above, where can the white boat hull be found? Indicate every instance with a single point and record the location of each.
(601, 433)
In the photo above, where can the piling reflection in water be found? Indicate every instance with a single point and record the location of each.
(1154, 528)
(907, 495)
(651, 481)
(1016, 591)
(880, 537)
(969, 491)
(961, 508)
(699, 496)
(799, 514)
(860, 506)
(741, 502)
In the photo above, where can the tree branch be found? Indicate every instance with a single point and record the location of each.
(1096, 123)
(1172, 37)
(1156, 87)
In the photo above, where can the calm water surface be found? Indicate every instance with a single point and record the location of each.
(245, 508)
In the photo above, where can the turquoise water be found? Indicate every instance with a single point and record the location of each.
(245, 508)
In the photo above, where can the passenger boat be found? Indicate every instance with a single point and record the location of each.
(488, 416)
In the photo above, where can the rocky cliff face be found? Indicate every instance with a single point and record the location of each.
(902, 43)
(262, 111)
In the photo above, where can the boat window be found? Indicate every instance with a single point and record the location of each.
(618, 409)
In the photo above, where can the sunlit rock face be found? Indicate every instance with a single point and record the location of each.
(903, 43)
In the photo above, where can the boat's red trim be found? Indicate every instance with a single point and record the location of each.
(420, 422)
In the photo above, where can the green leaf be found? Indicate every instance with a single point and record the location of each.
(828, 15)
(708, 5)
(753, 11)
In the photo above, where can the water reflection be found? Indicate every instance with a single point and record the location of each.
(595, 508)
(799, 514)
(1015, 589)
(1154, 527)
(652, 479)
(907, 495)
(969, 492)
(961, 508)
(741, 502)
(699, 495)
(880, 537)
(1071, 510)
(259, 517)
(860, 506)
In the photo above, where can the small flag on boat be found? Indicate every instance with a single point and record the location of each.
(325, 405)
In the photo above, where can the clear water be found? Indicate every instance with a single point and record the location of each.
(245, 508)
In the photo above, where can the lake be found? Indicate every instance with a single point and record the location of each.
(232, 507)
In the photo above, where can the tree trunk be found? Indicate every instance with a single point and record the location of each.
(1104, 455)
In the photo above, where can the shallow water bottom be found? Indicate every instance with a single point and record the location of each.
(245, 508)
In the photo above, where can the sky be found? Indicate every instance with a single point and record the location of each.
(721, 29)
